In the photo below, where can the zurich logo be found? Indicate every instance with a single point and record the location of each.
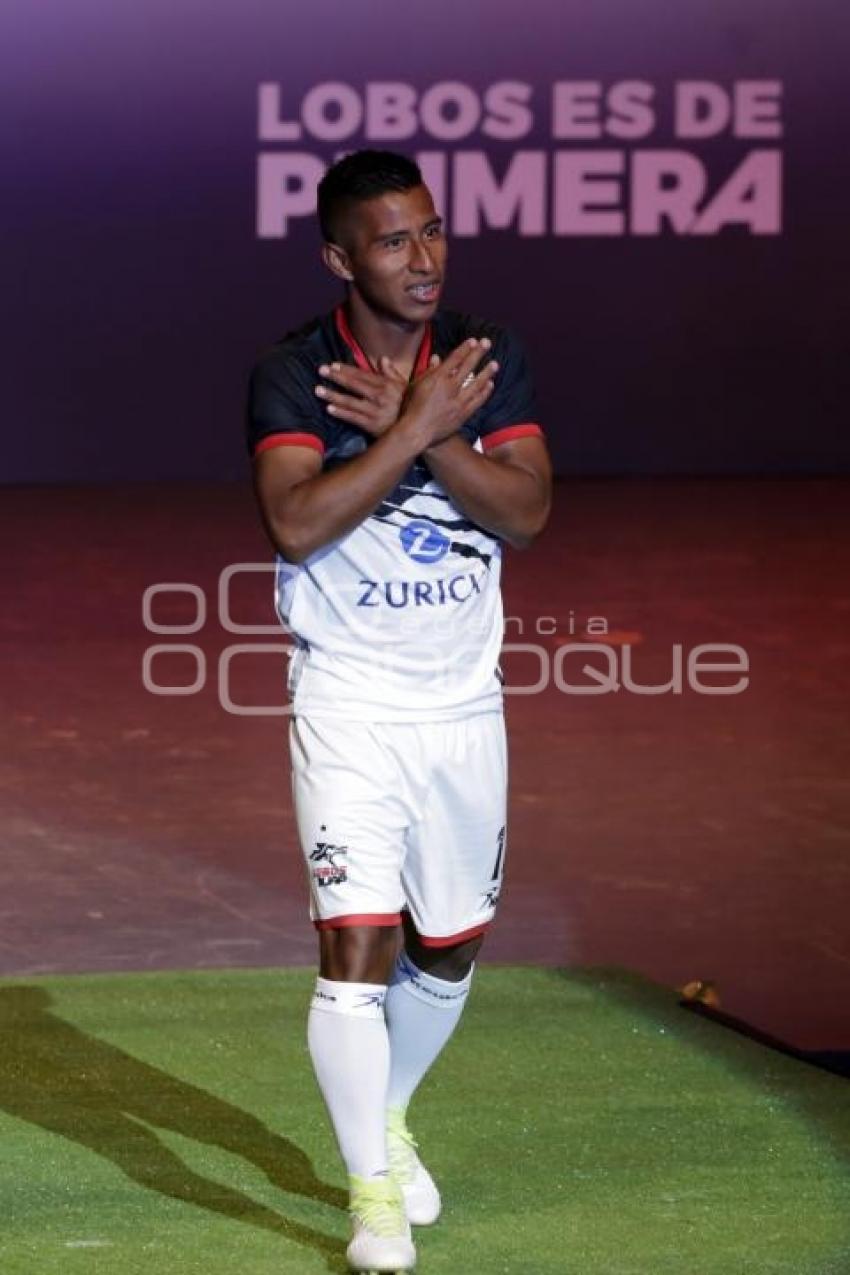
(423, 542)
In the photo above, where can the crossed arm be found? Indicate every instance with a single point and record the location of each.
(507, 492)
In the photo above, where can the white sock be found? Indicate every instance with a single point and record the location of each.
(422, 1012)
(347, 1038)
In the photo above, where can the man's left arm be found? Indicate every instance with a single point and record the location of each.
(507, 491)
(507, 486)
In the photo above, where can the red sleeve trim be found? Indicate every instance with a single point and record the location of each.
(449, 940)
(290, 440)
(359, 918)
(525, 429)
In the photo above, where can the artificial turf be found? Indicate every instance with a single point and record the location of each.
(580, 1123)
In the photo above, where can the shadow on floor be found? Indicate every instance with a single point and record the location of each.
(55, 1076)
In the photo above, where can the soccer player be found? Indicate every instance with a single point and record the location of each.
(395, 449)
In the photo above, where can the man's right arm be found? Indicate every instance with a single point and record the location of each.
(304, 509)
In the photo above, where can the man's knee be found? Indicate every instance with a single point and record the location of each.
(450, 963)
(358, 953)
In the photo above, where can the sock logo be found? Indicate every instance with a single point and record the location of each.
(370, 998)
(425, 984)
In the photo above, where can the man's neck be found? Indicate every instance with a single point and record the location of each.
(379, 336)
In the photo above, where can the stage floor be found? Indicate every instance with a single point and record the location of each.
(682, 835)
(172, 1121)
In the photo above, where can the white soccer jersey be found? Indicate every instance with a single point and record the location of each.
(400, 620)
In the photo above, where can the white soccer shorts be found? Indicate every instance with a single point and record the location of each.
(395, 816)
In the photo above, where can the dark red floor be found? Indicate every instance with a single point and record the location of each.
(685, 836)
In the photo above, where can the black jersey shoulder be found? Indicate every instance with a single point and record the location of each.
(281, 389)
(451, 327)
(306, 347)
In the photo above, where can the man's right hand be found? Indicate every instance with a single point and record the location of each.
(448, 393)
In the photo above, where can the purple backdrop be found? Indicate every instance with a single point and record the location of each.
(138, 288)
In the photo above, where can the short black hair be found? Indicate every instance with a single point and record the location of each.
(362, 175)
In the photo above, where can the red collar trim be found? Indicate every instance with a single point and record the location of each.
(349, 339)
(423, 354)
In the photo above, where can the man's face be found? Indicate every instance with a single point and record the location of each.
(397, 253)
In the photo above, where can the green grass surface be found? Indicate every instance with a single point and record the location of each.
(579, 1124)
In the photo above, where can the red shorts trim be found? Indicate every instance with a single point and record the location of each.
(525, 429)
(359, 918)
(449, 940)
(290, 440)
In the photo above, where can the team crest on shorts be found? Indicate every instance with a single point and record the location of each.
(328, 870)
